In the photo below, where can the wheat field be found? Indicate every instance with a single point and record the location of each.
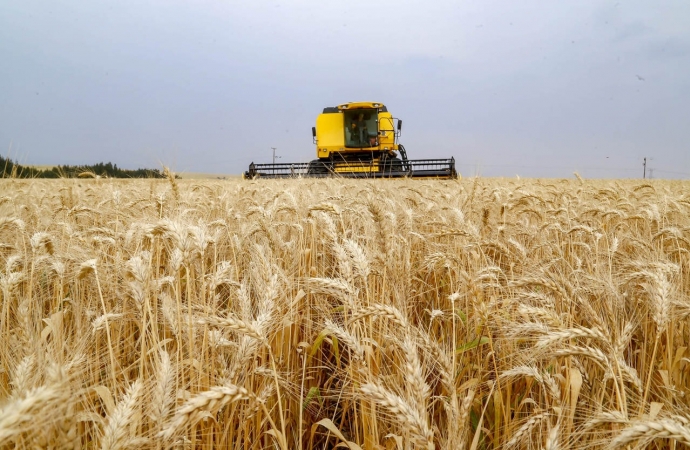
(382, 314)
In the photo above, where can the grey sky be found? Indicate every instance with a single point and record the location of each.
(533, 88)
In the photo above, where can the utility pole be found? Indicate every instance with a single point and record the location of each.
(644, 168)
(274, 155)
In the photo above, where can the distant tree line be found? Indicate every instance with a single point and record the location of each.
(10, 169)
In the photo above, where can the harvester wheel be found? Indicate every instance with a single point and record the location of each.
(403, 155)
(391, 164)
(318, 167)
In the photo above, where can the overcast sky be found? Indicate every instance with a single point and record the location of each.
(535, 88)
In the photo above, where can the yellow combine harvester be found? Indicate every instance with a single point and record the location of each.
(357, 140)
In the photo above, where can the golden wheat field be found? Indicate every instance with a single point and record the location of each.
(310, 314)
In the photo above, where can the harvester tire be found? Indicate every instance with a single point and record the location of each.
(318, 167)
(390, 165)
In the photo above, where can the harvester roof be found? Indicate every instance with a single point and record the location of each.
(362, 105)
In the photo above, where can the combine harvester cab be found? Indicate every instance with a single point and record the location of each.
(357, 140)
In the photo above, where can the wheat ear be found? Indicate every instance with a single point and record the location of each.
(415, 376)
(163, 390)
(238, 325)
(412, 422)
(652, 429)
(389, 312)
(116, 434)
(526, 428)
(15, 414)
(202, 403)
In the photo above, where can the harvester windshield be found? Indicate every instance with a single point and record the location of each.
(361, 128)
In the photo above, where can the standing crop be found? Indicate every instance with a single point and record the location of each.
(480, 314)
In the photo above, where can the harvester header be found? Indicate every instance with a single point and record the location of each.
(357, 140)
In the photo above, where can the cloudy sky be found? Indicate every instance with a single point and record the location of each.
(533, 88)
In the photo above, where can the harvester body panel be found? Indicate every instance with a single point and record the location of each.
(329, 134)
